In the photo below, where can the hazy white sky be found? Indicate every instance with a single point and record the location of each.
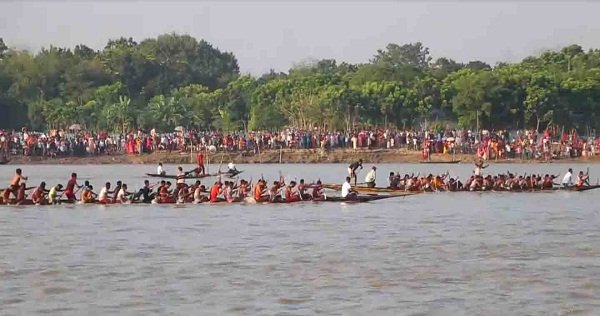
(277, 34)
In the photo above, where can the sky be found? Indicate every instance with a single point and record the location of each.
(279, 34)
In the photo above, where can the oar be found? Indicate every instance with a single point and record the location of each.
(221, 164)
(587, 174)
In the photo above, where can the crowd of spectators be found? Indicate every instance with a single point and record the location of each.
(487, 144)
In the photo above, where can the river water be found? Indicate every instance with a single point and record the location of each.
(434, 254)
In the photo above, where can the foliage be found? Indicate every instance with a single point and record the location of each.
(175, 80)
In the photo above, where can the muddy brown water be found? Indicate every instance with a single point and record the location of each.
(435, 254)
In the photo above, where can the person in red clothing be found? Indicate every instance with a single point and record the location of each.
(290, 195)
(200, 169)
(165, 194)
(215, 191)
(71, 184)
(15, 184)
(22, 195)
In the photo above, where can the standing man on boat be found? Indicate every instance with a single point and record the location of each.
(352, 169)
(567, 180)
(15, 184)
(479, 167)
(200, 169)
(371, 176)
(71, 184)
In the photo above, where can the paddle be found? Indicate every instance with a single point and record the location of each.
(221, 164)
(587, 174)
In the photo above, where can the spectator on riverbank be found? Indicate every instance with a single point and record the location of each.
(487, 144)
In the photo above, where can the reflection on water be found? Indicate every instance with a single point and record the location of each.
(460, 253)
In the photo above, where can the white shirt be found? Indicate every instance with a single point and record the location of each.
(103, 194)
(182, 179)
(478, 171)
(159, 170)
(568, 178)
(121, 196)
(346, 189)
(370, 176)
(231, 166)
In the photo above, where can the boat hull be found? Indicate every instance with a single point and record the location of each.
(190, 176)
(439, 162)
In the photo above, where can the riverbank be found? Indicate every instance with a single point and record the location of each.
(305, 156)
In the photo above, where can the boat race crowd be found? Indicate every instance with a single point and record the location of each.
(486, 144)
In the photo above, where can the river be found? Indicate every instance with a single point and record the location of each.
(430, 254)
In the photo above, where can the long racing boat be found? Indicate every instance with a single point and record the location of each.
(325, 199)
(395, 191)
(192, 176)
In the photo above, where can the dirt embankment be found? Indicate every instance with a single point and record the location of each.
(276, 156)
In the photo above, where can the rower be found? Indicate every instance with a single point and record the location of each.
(183, 194)
(215, 191)
(568, 178)
(159, 169)
(370, 177)
(394, 180)
(302, 190)
(228, 191)
(123, 194)
(259, 191)
(116, 191)
(21, 195)
(290, 195)
(88, 195)
(53, 194)
(274, 194)
(347, 191)
(71, 184)
(352, 169)
(163, 192)
(243, 190)
(145, 193)
(38, 196)
(317, 191)
(103, 195)
(582, 179)
(199, 189)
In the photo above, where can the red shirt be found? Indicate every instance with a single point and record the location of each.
(200, 159)
(71, 184)
(214, 192)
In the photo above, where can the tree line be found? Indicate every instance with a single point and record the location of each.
(177, 80)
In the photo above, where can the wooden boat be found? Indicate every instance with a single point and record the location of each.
(439, 161)
(170, 176)
(363, 189)
(400, 191)
(337, 199)
(357, 199)
(3, 162)
(192, 176)
(579, 189)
